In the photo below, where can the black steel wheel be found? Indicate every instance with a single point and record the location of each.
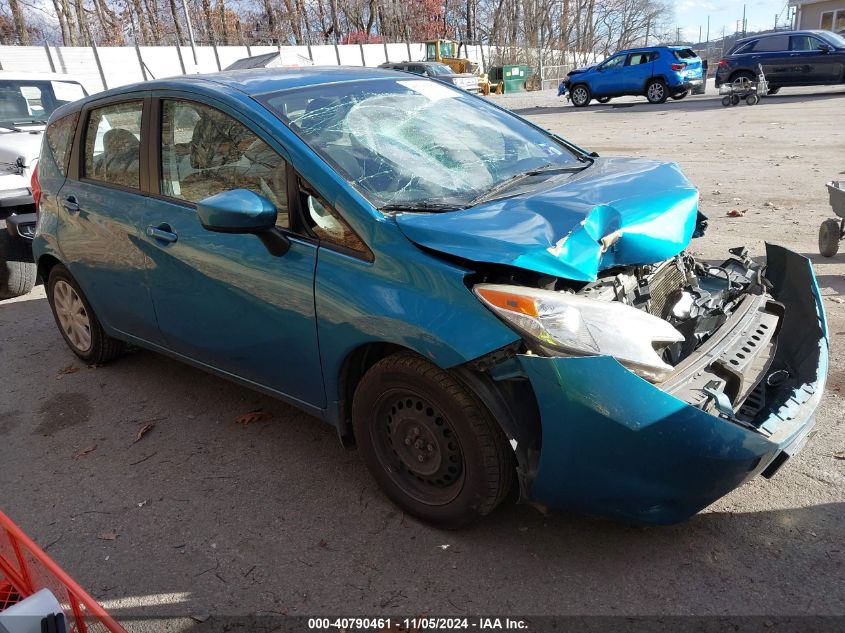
(431, 445)
(830, 232)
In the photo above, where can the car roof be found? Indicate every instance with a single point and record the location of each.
(652, 48)
(777, 33)
(249, 81)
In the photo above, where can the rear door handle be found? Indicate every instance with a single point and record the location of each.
(162, 233)
(70, 204)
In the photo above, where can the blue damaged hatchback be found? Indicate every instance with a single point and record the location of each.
(476, 304)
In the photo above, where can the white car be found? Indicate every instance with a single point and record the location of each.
(26, 102)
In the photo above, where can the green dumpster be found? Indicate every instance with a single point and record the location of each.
(513, 78)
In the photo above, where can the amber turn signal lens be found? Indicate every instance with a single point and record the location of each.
(509, 301)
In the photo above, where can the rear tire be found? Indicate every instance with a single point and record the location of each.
(774, 90)
(752, 100)
(432, 446)
(726, 101)
(656, 91)
(680, 95)
(17, 270)
(830, 233)
(76, 320)
(580, 95)
(603, 99)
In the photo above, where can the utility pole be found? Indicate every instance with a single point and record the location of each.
(708, 34)
(744, 23)
(678, 35)
(699, 34)
(776, 21)
(190, 31)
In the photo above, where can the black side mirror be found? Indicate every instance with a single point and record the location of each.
(825, 48)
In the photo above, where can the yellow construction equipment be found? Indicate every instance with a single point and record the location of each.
(449, 52)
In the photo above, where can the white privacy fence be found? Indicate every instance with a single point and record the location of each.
(103, 67)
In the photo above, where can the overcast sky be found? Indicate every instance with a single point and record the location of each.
(690, 14)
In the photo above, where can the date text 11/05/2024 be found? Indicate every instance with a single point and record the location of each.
(417, 624)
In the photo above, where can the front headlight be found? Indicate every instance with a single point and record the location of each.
(568, 323)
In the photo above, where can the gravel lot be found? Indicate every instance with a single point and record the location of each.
(206, 516)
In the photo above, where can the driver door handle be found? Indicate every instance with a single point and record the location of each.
(162, 233)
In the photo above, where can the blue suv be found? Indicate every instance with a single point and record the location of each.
(658, 72)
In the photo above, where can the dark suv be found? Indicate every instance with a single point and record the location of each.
(789, 58)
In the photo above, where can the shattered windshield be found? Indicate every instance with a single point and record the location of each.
(406, 142)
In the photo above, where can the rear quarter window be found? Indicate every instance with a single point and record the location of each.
(747, 47)
(60, 139)
(685, 53)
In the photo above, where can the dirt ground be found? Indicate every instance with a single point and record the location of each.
(203, 516)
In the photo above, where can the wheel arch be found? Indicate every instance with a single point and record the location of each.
(45, 264)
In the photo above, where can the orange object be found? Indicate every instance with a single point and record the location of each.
(510, 301)
(25, 569)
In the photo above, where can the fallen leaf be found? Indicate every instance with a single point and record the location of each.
(735, 213)
(149, 426)
(839, 455)
(143, 503)
(252, 416)
(200, 617)
(323, 543)
(70, 369)
(107, 536)
(84, 451)
(446, 546)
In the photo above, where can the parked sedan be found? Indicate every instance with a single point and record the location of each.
(791, 58)
(472, 301)
(436, 70)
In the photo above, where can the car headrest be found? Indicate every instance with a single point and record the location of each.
(216, 141)
(12, 105)
(118, 140)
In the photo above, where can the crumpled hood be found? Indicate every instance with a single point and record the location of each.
(619, 211)
(583, 69)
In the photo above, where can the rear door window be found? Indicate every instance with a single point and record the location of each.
(772, 44)
(113, 144)
(635, 59)
(60, 139)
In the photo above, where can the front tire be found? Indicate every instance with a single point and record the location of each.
(76, 320)
(432, 446)
(17, 270)
(580, 95)
(656, 91)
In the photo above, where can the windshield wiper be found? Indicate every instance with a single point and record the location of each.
(515, 180)
(421, 206)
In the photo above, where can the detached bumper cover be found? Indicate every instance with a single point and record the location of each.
(617, 445)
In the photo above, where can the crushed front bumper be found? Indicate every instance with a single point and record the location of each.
(615, 444)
